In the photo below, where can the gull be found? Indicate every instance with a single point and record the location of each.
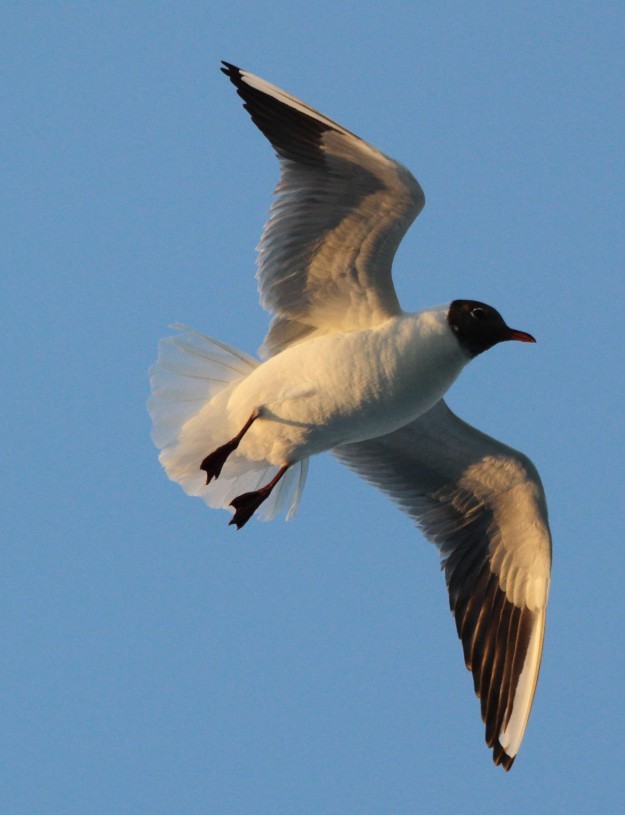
(345, 369)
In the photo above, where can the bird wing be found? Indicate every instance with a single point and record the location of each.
(483, 505)
(341, 210)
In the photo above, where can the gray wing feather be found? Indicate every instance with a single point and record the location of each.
(341, 210)
(483, 505)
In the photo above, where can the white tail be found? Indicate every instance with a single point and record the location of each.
(191, 383)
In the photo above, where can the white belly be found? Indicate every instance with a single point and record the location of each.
(341, 388)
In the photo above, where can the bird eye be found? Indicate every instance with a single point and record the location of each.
(477, 313)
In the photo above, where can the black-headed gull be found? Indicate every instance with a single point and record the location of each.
(347, 370)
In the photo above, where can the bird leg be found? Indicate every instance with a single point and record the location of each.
(214, 462)
(246, 505)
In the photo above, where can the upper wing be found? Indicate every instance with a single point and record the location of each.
(483, 505)
(341, 211)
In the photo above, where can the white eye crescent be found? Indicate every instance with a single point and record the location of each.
(477, 313)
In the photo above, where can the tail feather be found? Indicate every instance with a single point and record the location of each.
(190, 370)
(191, 383)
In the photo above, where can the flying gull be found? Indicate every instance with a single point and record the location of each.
(346, 369)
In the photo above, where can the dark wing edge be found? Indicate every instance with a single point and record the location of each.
(293, 128)
(483, 506)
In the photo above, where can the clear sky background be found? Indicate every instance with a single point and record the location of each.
(157, 661)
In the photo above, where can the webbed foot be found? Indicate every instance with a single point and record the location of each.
(245, 505)
(214, 462)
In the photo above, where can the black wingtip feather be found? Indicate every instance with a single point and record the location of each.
(234, 74)
(294, 134)
(501, 758)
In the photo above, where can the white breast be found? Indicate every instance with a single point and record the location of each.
(342, 388)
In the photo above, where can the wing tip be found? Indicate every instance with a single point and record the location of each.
(233, 72)
(501, 758)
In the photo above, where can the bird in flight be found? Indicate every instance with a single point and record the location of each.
(345, 369)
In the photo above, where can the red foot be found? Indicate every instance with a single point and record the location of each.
(246, 505)
(214, 462)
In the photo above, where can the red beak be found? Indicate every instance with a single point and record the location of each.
(521, 336)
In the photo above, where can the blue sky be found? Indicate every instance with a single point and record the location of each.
(156, 661)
